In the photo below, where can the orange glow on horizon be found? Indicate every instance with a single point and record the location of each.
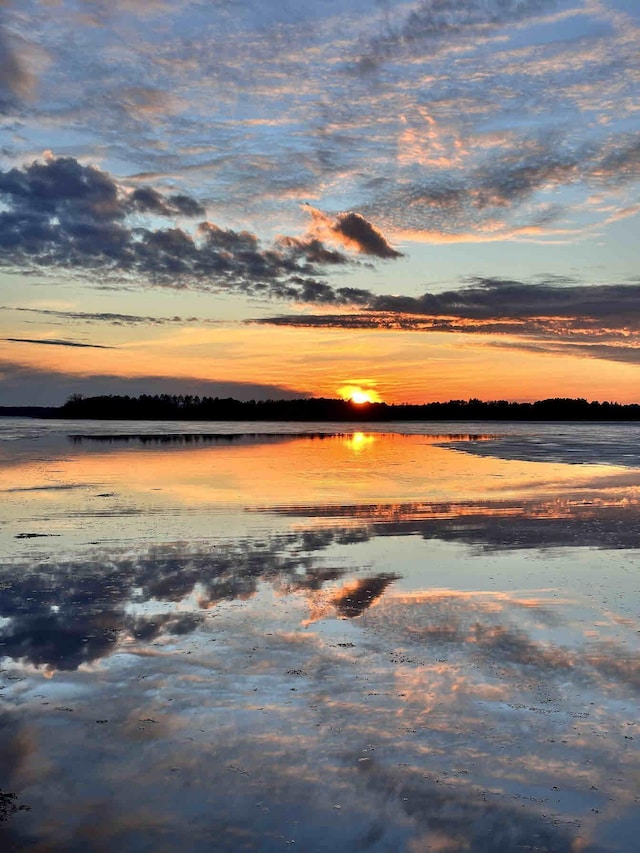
(397, 366)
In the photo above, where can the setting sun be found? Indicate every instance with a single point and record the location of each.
(359, 395)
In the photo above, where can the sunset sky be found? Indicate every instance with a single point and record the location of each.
(265, 198)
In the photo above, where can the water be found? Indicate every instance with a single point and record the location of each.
(257, 636)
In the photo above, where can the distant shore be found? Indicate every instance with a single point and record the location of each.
(188, 408)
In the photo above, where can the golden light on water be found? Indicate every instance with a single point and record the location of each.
(358, 441)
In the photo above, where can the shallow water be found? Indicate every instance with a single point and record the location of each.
(240, 637)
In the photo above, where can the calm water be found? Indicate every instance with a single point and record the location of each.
(229, 637)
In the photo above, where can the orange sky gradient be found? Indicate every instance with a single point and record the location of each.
(393, 366)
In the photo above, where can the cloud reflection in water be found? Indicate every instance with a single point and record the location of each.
(327, 678)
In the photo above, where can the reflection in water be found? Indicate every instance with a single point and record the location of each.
(180, 438)
(608, 522)
(345, 644)
(359, 441)
(356, 440)
(353, 599)
(67, 613)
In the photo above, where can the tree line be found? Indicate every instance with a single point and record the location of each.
(188, 407)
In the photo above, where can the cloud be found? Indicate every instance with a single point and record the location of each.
(56, 343)
(438, 24)
(353, 231)
(112, 318)
(29, 386)
(494, 299)
(15, 80)
(597, 321)
(608, 352)
(61, 213)
(471, 152)
(456, 90)
(149, 200)
(620, 162)
(507, 192)
(313, 249)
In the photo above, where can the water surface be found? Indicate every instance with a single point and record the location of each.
(242, 637)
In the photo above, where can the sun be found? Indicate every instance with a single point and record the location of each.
(358, 394)
(360, 397)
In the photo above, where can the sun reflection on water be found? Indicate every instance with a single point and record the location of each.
(358, 441)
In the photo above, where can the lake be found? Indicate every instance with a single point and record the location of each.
(325, 637)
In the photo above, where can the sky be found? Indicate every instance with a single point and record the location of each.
(424, 200)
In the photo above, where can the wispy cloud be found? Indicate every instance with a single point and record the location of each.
(510, 194)
(56, 343)
(111, 318)
(16, 80)
(629, 354)
(437, 25)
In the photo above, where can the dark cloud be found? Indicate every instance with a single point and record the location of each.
(352, 231)
(314, 250)
(62, 214)
(63, 190)
(356, 229)
(325, 321)
(500, 299)
(493, 299)
(26, 386)
(55, 343)
(149, 200)
(597, 321)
